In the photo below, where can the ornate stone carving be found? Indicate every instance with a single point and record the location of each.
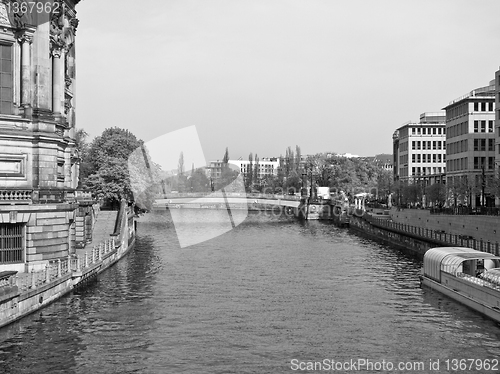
(56, 51)
(67, 103)
(4, 17)
(25, 38)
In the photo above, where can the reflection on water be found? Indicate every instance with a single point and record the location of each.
(249, 301)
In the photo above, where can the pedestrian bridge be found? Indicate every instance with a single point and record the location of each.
(206, 200)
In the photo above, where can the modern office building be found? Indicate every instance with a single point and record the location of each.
(419, 150)
(470, 145)
(267, 166)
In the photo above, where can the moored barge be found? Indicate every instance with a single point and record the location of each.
(471, 277)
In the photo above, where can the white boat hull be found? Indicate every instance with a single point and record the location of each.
(490, 311)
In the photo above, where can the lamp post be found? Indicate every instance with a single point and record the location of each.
(303, 192)
(483, 182)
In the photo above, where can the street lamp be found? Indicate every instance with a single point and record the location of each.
(304, 176)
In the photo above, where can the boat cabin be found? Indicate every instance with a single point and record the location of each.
(461, 262)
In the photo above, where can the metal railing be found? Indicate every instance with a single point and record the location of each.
(61, 267)
(485, 211)
(438, 236)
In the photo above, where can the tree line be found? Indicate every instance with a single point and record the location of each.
(107, 161)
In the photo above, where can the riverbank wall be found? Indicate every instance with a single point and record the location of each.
(418, 239)
(24, 293)
(479, 227)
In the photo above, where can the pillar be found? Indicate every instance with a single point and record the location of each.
(57, 80)
(25, 41)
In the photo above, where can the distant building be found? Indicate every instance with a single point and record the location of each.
(419, 150)
(384, 161)
(267, 166)
(470, 144)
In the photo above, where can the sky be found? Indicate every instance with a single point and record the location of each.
(262, 75)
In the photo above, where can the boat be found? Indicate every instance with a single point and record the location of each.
(470, 277)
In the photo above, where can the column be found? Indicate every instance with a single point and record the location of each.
(25, 41)
(57, 79)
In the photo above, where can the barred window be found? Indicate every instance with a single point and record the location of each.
(11, 243)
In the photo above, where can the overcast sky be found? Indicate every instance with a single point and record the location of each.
(261, 75)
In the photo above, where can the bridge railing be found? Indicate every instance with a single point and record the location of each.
(229, 194)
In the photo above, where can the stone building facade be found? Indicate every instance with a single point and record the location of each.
(470, 145)
(38, 156)
(420, 150)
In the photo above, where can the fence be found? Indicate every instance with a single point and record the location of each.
(463, 210)
(60, 268)
(439, 236)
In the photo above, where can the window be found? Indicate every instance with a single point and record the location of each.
(476, 162)
(476, 107)
(418, 144)
(476, 144)
(490, 126)
(423, 131)
(439, 131)
(413, 130)
(418, 158)
(6, 80)
(434, 145)
(434, 131)
(483, 126)
(413, 157)
(11, 243)
(483, 106)
(424, 144)
(490, 106)
(413, 144)
(476, 126)
(491, 145)
(483, 145)
(491, 163)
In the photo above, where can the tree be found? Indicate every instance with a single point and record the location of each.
(83, 148)
(108, 155)
(256, 178)
(249, 172)
(298, 156)
(111, 182)
(115, 143)
(436, 194)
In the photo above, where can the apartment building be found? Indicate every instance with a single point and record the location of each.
(470, 150)
(420, 149)
(267, 166)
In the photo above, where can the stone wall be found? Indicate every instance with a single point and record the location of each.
(49, 233)
(479, 227)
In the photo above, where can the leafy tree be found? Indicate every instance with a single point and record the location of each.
(436, 193)
(412, 193)
(256, 178)
(111, 182)
(107, 159)
(113, 143)
(249, 173)
(83, 149)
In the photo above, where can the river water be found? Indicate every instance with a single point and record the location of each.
(274, 295)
